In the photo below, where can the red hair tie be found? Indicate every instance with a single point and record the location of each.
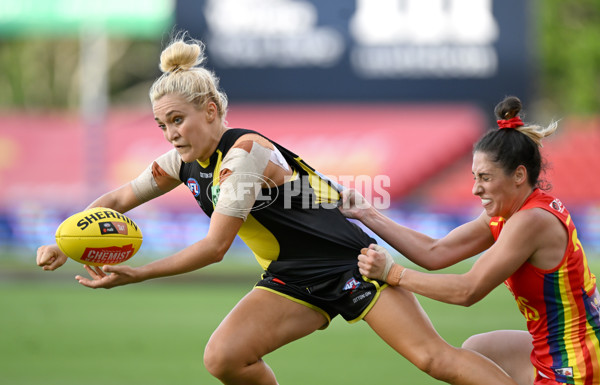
(510, 123)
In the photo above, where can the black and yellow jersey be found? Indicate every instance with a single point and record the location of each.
(294, 230)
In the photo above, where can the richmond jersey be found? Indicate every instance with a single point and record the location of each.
(295, 230)
(560, 305)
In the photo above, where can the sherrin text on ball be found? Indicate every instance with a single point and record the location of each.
(99, 236)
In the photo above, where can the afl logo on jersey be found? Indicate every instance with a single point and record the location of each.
(193, 186)
(351, 284)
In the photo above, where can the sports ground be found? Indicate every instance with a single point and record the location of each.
(57, 332)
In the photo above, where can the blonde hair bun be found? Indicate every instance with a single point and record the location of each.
(180, 55)
(183, 74)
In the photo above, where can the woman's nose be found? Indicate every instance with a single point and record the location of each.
(476, 188)
(172, 134)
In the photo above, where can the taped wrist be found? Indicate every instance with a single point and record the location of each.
(395, 275)
(389, 261)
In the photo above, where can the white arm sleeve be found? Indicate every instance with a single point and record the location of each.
(148, 184)
(244, 176)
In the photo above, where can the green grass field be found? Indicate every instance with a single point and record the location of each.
(54, 331)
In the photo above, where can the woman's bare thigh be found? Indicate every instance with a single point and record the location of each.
(400, 320)
(263, 321)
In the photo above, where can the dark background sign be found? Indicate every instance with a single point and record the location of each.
(364, 50)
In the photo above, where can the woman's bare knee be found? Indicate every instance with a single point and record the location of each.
(436, 363)
(425, 362)
(473, 343)
(259, 324)
(223, 361)
(509, 349)
(216, 361)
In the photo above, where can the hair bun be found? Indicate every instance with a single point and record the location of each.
(508, 108)
(181, 56)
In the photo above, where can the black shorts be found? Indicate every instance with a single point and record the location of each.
(349, 294)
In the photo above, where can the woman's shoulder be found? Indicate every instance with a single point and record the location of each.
(249, 138)
(535, 219)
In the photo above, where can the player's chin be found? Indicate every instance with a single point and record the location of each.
(490, 210)
(188, 158)
(187, 155)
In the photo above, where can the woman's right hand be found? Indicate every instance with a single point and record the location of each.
(353, 204)
(50, 257)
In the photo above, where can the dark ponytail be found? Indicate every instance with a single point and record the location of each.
(511, 147)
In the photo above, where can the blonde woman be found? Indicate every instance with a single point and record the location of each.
(287, 214)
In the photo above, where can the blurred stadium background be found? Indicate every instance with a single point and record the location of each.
(400, 88)
(361, 89)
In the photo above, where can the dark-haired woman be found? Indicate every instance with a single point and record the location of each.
(529, 242)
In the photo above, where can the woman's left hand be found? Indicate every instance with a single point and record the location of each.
(375, 262)
(117, 276)
(352, 204)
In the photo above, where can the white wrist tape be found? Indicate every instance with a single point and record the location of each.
(389, 261)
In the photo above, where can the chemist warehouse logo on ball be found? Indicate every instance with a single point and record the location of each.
(108, 255)
(305, 192)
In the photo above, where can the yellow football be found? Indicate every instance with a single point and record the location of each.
(99, 236)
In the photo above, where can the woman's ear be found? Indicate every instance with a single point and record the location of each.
(212, 112)
(520, 175)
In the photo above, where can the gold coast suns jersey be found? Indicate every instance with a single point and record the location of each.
(561, 305)
(294, 230)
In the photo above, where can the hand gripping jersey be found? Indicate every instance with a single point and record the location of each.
(294, 230)
(560, 305)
